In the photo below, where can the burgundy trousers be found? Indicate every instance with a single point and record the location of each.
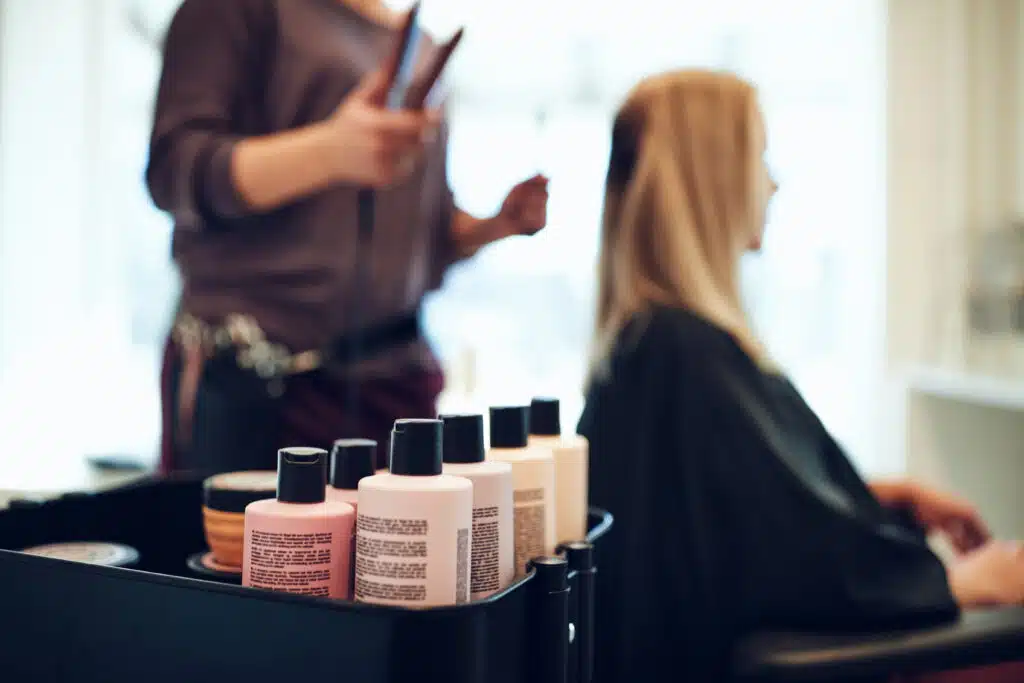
(235, 424)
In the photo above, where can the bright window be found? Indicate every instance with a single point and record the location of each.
(516, 320)
(535, 85)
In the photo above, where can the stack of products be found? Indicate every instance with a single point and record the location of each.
(449, 520)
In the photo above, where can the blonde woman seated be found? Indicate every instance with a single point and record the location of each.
(735, 509)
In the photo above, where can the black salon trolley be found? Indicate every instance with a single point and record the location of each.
(68, 621)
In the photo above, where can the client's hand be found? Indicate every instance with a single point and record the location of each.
(958, 519)
(989, 577)
(937, 511)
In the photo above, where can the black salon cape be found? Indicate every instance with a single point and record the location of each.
(734, 511)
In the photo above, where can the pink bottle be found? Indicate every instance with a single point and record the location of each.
(299, 542)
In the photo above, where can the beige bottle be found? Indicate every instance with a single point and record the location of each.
(414, 526)
(533, 483)
(571, 457)
(492, 556)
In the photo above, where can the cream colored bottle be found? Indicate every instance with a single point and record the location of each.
(414, 525)
(533, 483)
(493, 550)
(571, 457)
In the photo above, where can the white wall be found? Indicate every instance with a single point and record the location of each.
(956, 111)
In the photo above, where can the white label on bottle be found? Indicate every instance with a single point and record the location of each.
(462, 567)
(290, 562)
(529, 526)
(485, 575)
(393, 549)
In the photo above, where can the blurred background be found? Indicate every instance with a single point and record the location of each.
(891, 285)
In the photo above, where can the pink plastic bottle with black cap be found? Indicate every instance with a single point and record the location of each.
(299, 542)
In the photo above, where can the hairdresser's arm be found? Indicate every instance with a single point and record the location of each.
(471, 234)
(361, 144)
(459, 235)
(524, 212)
(207, 55)
(274, 170)
(201, 169)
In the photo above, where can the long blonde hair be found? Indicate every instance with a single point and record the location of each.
(682, 198)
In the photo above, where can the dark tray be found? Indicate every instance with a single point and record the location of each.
(67, 621)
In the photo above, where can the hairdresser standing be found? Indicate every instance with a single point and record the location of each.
(268, 122)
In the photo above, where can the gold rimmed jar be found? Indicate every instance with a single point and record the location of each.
(225, 497)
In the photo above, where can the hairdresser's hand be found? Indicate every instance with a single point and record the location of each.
(525, 209)
(990, 576)
(371, 145)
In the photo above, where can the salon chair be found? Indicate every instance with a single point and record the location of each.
(978, 638)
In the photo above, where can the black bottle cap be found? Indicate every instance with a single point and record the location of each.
(416, 448)
(545, 417)
(463, 438)
(351, 460)
(510, 426)
(301, 475)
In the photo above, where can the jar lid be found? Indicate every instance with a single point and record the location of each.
(233, 491)
(88, 552)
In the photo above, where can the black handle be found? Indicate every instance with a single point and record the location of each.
(548, 630)
(580, 557)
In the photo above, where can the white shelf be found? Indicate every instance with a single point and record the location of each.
(965, 433)
(976, 389)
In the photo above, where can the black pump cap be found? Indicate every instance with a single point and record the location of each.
(352, 460)
(510, 426)
(301, 475)
(416, 448)
(545, 417)
(463, 438)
